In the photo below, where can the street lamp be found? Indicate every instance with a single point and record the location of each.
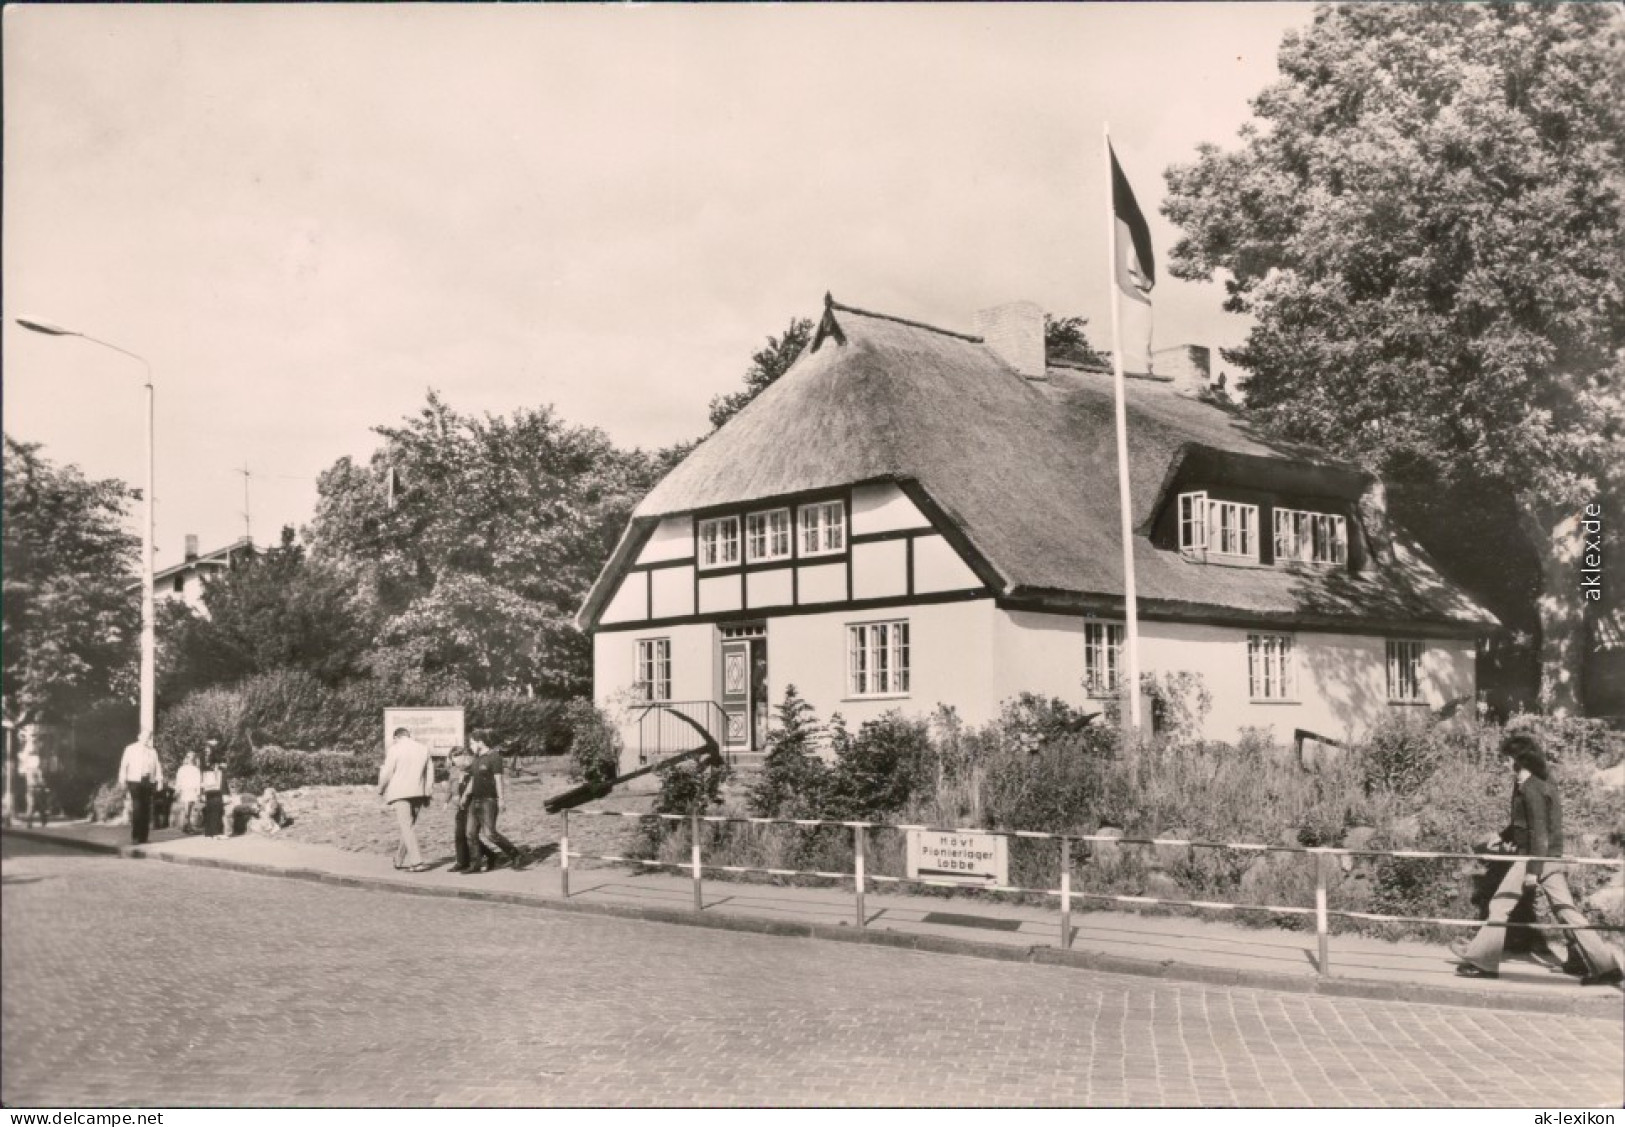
(149, 646)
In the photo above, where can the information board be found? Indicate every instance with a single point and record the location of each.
(438, 729)
(964, 858)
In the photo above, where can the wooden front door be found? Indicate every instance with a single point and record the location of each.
(736, 694)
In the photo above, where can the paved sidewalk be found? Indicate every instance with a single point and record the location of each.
(1178, 948)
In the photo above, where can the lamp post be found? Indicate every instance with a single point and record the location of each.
(149, 643)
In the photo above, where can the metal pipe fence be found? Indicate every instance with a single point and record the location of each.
(1066, 893)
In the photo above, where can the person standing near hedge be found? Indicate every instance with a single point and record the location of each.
(213, 781)
(487, 798)
(1536, 829)
(189, 789)
(404, 782)
(142, 774)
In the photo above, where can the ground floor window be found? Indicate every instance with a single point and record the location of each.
(1269, 667)
(877, 659)
(1405, 671)
(653, 676)
(1102, 658)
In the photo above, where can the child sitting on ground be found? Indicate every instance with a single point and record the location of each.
(269, 817)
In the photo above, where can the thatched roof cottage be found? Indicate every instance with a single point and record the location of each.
(913, 516)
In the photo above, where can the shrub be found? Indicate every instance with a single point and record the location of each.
(1401, 754)
(880, 770)
(272, 766)
(793, 779)
(595, 746)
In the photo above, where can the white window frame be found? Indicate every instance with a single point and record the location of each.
(651, 671)
(822, 528)
(718, 544)
(1103, 669)
(1222, 531)
(769, 535)
(1271, 672)
(1193, 522)
(1405, 671)
(1312, 538)
(878, 660)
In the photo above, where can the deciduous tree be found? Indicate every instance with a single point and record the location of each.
(71, 595)
(1426, 224)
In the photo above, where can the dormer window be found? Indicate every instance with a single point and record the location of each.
(719, 542)
(823, 528)
(1316, 538)
(1221, 528)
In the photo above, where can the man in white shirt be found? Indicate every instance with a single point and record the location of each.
(141, 774)
(404, 782)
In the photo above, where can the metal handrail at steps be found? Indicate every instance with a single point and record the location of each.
(666, 727)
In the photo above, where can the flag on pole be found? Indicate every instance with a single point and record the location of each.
(1136, 266)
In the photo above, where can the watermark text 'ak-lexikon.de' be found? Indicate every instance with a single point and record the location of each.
(1591, 558)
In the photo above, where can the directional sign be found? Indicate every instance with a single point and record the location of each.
(964, 858)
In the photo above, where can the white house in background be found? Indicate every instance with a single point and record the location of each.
(912, 516)
(185, 580)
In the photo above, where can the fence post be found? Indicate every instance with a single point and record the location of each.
(694, 834)
(1321, 934)
(857, 871)
(564, 857)
(1066, 893)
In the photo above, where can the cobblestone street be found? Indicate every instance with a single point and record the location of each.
(142, 983)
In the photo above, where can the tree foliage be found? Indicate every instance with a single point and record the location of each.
(770, 362)
(1426, 224)
(477, 538)
(277, 610)
(71, 593)
(1067, 338)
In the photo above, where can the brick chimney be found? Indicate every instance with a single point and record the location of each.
(1015, 332)
(191, 546)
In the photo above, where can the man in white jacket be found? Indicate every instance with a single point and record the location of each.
(404, 782)
(141, 774)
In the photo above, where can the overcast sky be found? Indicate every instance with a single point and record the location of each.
(307, 216)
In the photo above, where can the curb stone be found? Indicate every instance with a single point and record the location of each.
(1606, 1006)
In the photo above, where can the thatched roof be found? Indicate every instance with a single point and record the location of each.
(1026, 471)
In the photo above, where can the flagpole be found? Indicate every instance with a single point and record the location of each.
(1131, 609)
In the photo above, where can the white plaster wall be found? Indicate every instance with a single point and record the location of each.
(673, 591)
(883, 508)
(693, 672)
(768, 588)
(719, 593)
(822, 583)
(1341, 678)
(950, 660)
(879, 570)
(672, 539)
(937, 567)
(631, 601)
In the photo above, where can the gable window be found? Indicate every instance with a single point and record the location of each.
(1405, 672)
(877, 659)
(1102, 658)
(1320, 538)
(1193, 522)
(652, 679)
(1269, 667)
(823, 528)
(1224, 528)
(719, 542)
(767, 535)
